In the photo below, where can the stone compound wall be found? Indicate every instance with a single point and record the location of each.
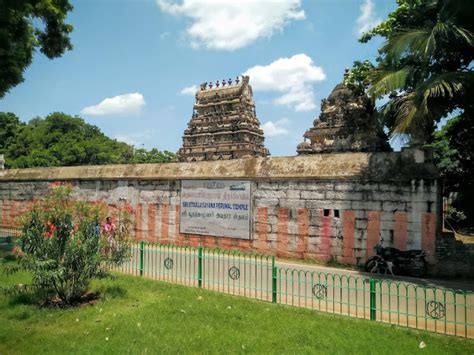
(330, 207)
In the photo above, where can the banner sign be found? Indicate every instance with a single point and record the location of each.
(215, 207)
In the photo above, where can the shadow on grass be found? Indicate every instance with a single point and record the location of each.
(113, 292)
(23, 315)
(27, 298)
(48, 299)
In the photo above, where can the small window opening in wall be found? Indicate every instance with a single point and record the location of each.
(336, 213)
(392, 237)
(326, 213)
(430, 204)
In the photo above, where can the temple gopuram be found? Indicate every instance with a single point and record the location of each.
(347, 123)
(224, 124)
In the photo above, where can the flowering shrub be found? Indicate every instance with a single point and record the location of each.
(64, 247)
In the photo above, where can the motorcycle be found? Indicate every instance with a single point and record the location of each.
(395, 261)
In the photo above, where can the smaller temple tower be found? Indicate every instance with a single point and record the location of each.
(347, 123)
(224, 124)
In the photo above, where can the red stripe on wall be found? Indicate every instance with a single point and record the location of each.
(165, 220)
(303, 228)
(138, 222)
(13, 213)
(151, 222)
(373, 232)
(209, 241)
(179, 236)
(6, 212)
(325, 244)
(194, 240)
(282, 232)
(428, 232)
(226, 243)
(262, 234)
(244, 244)
(400, 234)
(348, 233)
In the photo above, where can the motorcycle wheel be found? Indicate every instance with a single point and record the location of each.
(375, 267)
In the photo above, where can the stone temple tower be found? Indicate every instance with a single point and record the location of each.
(224, 124)
(347, 123)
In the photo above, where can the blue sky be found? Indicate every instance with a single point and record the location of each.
(135, 62)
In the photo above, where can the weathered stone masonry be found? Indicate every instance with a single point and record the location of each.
(326, 207)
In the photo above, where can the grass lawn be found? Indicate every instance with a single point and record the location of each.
(142, 316)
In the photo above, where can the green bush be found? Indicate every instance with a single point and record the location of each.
(64, 247)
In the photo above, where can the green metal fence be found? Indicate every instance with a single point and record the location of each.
(437, 309)
(248, 275)
(237, 273)
(7, 240)
(441, 310)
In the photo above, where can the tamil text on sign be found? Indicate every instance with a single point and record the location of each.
(215, 207)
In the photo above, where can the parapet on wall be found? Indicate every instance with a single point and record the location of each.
(326, 207)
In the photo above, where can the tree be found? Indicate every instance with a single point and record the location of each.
(64, 140)
(26, 25)
(9, 124)
(454, 157)
(425, 66)
(152, 156)
(64, 247)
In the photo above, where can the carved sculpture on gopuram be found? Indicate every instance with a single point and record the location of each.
(347, 123)
(224, 124)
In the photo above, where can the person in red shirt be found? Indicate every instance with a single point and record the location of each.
(109, 230)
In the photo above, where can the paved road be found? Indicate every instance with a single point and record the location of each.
(419, 303)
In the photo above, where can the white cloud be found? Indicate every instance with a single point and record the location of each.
(126, 139)
(189, 90)
(367, 18)
(136, 139)
(293, 77)
(233, 24)
(278, 128)
(121, 104)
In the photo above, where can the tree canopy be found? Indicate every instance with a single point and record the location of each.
(64, 140)
(423, 73)
(453, 154)
(27, 25)
(424, 69)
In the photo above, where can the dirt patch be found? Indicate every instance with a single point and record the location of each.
(88, 299)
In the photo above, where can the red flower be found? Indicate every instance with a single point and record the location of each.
(128, 208)
(50, 230)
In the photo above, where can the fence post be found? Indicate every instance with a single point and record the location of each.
(373, 299)
(200, 266)
(142, 251)
(274, 281)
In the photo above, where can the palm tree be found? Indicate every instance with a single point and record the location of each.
(426, 70)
